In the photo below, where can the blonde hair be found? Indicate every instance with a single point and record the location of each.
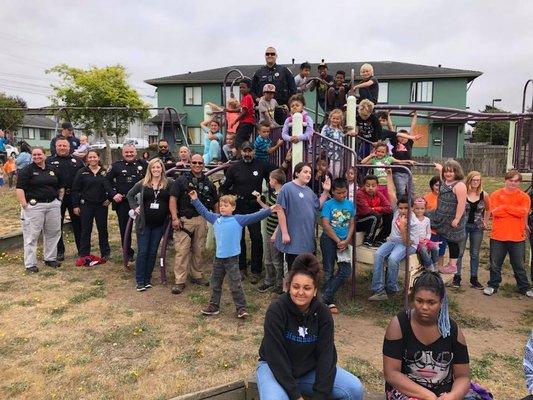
(147, 181)
(232, 103)
(452, 165)
(368, 66)
(335, 112)
(468, 181)
(84, 137)
(228, 199)
(366, 105)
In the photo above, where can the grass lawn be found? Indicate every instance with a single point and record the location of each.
(75, 333)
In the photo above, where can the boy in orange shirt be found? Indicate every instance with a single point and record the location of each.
(10, 169)
(509, 207)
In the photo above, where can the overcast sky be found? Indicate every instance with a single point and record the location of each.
(158, 38)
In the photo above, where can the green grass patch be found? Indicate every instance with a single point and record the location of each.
(197, 297)
(59, 311)
(16, 388)
(527, 318)
(141, 334)
(366, 372)
(351, 309)
(482, 368)
(467, 320)
(86, 295)
(54, 368)
(6, 285)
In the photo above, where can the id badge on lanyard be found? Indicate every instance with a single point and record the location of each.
(155, 204)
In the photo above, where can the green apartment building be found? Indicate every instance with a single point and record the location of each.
(400, 84)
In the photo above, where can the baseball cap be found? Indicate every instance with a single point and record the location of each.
(247, 145)
(269, 87)
(67, 125)
(322, 65)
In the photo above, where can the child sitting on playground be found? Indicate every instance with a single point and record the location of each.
(381, 158)
(296, 105)
(263, 144)
(369, 87)
(231, 114)
(394, 249)
(267, 105)
(338, 223)
(368, 127)
(427, 251)
(373, 212)
(228, 231)
(212, 140)
(336, 95)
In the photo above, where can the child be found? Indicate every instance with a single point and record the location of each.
(267, 105)
(273, 259)
(336, 96)
(427, 250)
(246, 117)
(263, 145)
(334, 131)
(380, 158)
(321, 173)
(368, 127)
(83, 148)
(302, 79)
(373, 211)
(431, 200)
(338, 223)
(229, 151)
(369, 87)
(394, 249)
(231, 113)
(349, 175)
(228, 231)
(212, 140)
(296, 105)
(10, 170)
(1, 174)
(321, 83)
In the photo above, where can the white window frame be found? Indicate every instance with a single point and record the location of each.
(383, 96)
(236, 92)
(422, 92)
(193, 96)
(194, 135)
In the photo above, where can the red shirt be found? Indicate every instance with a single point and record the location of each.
(366, 204)
(247, 102)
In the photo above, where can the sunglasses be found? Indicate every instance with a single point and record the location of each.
(197, 162)
(270, 54)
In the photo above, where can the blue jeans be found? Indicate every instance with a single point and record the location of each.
(401, 182)
(428, 257)
(332, 282)
(498, 251)
(394, 252)
(476, 237)
(346, 385)
(147, 243)
(442, 245)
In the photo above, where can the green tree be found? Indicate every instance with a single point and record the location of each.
(493, 132)
(11, 120)
(98, 87)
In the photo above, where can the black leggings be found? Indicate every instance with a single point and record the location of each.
(90, 212)
(454, 249)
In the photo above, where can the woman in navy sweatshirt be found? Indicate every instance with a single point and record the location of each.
(297, 355)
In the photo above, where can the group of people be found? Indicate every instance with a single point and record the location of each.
(425, 353)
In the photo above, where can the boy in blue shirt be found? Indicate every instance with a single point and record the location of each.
(263, 144)
(338, 223)
(228, 231)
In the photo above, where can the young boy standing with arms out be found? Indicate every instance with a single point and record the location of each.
(228, 232)
(263, 145)
(246, 118)
(338, 223)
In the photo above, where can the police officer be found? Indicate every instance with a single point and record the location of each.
(165, 155)
(191, 228)
(279, 75)
(242, 179)
(67, 166)
(39, 191)
(67, 131)
(123, 174)
(91, 195)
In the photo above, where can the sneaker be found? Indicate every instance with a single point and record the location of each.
(210, 309)
(53, 264)
(254, 279)
(377, 244)
(32, 270)
(379, 296)
(333, 309)
(140, 287)
(456, 281)
(148, 285)
(475, 283)
(367, 243)
(448, 269)
(263, 288)
(80, 261)
(242, 313)
(60, 257)
(200, 281)
(489, 291)
(529, 293)
(179, 288)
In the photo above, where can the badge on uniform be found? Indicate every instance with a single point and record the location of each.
(154, 206)
(140, 167)
(301, 195)
(52, 173)
(73, 160)
(33, 202)
(255, 173)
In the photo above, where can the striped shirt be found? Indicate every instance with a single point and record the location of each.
(272, 219)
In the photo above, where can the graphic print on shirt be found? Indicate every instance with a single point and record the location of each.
(340, 218)
(429, 370)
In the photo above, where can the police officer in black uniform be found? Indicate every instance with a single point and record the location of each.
(279, 75)
(242, 179)
(164, 154)
(67, 166)
(91, 195)
(67, 131)
(123, 174)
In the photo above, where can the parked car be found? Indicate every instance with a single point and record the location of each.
(100, 144)
(138, 142)
(11, 150)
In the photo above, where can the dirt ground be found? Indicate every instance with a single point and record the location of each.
(76, 333)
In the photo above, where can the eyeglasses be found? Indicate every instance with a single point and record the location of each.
(270, 54)
(197, 162)
(163, 147)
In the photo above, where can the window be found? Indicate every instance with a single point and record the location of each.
(45, 134)
(28, 133)
(422, 92)
(193, 96)
(383, 92)
(194, 135)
